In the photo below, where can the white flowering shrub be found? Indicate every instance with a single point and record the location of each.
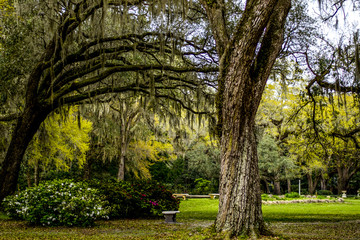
(57, 203)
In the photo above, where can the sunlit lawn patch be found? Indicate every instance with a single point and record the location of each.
(304, 212)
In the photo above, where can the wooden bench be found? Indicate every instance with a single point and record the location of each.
(170, 216)
(213, 195)
(181, 195)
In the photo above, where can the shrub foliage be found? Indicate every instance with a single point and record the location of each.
(57, 203)
(292, 195)
(324, 192)
(137, 199)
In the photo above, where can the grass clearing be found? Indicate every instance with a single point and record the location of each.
(287, 221)
(316, 212)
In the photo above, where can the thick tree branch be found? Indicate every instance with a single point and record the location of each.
(76, 99)
(271, 44)
(128, 68)
(215, 11)
(349, 135)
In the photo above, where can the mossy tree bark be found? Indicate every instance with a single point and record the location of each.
(246, 61)
(24, 131)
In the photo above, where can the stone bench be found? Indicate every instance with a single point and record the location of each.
(181, 195)
(198, 196)
(214, 195)
(170, 216)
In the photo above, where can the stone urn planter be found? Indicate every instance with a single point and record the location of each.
(343, 194)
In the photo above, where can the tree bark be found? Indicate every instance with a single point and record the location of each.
(312, 183)
(246, 71)
(27, 125)
(343, 179)
(25, 129)
(127, 116)
(345, 172)
(28, 177)
(323, 185)
(277, 188)
(267, 186)
(36, 173)
(288, 185)
(240, 200)
(121, 171)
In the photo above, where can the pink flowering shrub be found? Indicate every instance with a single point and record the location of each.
(136, 199)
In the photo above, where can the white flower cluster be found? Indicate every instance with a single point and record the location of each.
(59, 203)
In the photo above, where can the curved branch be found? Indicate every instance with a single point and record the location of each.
(349, 135)
(127, 68)
(130, 88)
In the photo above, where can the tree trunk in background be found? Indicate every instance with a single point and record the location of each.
(124, 142)
(36, 173)
(267, 186)
(28, 177)
(87, 167)
(121, 171)
(245, 66)
(343, 179)
(312, 183)
(288, 185)
(323, 183)
(277, 188)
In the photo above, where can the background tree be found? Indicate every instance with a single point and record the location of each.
(129, 135)
(318, 140)
(273, 128)
(273, 165)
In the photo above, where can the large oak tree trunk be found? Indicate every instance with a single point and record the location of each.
(240, 200)
(245, 66)
(25, 129)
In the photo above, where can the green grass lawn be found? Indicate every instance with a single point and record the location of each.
(287, 221)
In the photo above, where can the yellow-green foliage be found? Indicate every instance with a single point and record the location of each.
(61, 141)
(6, 10)
(334, 115)
(143, 153)
(277, 104)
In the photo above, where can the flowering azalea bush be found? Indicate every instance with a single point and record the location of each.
(137, 199)
(57, 203)
(158, 197)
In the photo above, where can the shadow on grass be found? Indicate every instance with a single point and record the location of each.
(291, 218)
(288, 221)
